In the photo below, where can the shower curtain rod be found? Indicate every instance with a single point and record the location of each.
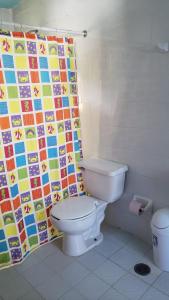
(37, 28)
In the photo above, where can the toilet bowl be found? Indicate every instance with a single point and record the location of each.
(80, 217)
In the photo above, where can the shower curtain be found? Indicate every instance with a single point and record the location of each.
(40, 143)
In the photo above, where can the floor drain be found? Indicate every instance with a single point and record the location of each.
(142, 269)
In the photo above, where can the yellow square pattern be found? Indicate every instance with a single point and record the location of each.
(1, 154)
(27, 209)
(11, 230)
(21, 62)
(32, 146)
(12, 178)
(53, 63)
(14, 107)
(55, 195)
(42, 48)
(72, 64)
(1, 223)
(6, 45)
(18, 135)
(36, 90)
(44, 166)
(24, 186)
(61, 139)
(3, 92)
(79, 134)
(48, 104)
(71, 101)
(40, 216)
(54, 175)
(51, 129)
(65, 89)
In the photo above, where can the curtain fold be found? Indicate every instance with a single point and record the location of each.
(40, 141)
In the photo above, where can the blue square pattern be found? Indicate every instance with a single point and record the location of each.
(10, 77)
(37, 104)
(31, 230)
(7, 61)
(68, 63)
(52, 153)
(3, 246)
(76, 146)
(14, 190)
(51, 141)
(65, 101)
(45, 178)
(43, 62)
(45, 76)
(20, 161)
(75, 135)
(2, 235)
(71, 169)
(19, 148)
(72, 76)
(3, 108)
(29, 220)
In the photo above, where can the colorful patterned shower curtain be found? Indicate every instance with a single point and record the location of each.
(40, 141)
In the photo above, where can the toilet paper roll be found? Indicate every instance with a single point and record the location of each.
(136, 207)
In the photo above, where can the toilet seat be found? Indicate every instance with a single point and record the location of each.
(74, 208)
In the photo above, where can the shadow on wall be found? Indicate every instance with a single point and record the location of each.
(89, 85)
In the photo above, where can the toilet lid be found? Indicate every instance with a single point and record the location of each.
(74, 208)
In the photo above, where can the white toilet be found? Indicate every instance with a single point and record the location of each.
(79, 218)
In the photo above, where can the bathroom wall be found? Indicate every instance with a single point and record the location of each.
(135, 119)
(124, 90)
(6, 15)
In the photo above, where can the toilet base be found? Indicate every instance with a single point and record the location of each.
(75, 245)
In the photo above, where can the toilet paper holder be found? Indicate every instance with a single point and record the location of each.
(146, 203)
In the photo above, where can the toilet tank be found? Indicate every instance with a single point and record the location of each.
(103, 179)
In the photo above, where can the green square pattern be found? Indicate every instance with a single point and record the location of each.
(22, 173)
(12, 92)
(52, 49)
(30, 133)
(60, 127)
(4, 258)
(77, 157)
(65, 193)
(8, 218)
(38, 205)
(71, 51)
(53, 164)
(33, 240)
(47, 91)
(19, 46)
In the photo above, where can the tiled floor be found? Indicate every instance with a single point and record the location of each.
(104, 273)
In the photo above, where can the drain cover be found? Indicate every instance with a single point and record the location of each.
(142, 269)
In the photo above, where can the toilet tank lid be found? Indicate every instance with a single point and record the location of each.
(105, 167)
(74, 208)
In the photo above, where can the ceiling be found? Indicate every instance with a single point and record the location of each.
(8, 3)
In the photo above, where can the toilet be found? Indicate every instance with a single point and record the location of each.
(79, 218)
